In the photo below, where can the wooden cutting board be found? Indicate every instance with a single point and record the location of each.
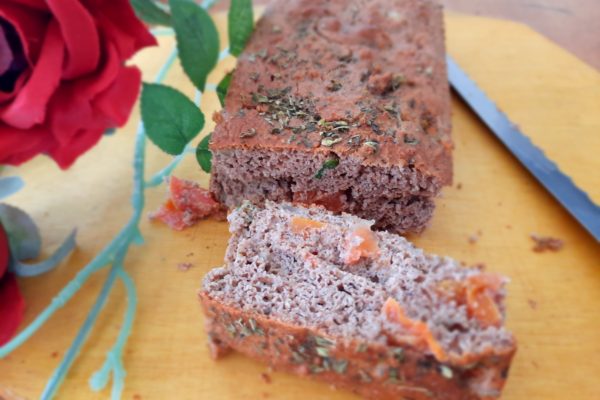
(554, 302)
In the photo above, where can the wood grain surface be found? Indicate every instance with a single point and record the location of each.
(554, 298)
(573, 24)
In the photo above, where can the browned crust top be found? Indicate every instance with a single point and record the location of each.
(355, 78)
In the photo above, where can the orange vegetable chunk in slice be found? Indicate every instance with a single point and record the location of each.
(362, 243)
(479, 297)
(394, 313)
(300, 224)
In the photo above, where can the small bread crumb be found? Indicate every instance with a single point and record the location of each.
(184, 266)
(459, 185)
(475, 237)
(532, 304)
(546, 243)
(265, 377)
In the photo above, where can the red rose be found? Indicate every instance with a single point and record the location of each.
(12, 305)
(63, 81)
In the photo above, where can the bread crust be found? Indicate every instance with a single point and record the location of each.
(378, 64)
(372, 370)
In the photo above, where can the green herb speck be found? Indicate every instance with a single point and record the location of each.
(340, 366)
(260, 98)
(297, 358)
(248, 134)
(328, 164)
(361, 348)
(372, 145)
(446, 371)
(364, 377)
(322, 351)
(398, 353)
(409, 139)
(393, 375)
(330, 141)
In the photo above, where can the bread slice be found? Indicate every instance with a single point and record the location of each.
(323, 295)
(342, 103)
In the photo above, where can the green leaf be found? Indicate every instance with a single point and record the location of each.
(203, 154)
(240, 23)
(151, 13)
(222, 88)
(171, 120)
(328, 164)
(23, 234)
(197, 40)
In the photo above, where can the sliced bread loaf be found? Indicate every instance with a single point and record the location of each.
(342, 103)
(323, 295)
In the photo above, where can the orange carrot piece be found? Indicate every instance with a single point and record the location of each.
(300, 224)
(394, 312)
(361, 244)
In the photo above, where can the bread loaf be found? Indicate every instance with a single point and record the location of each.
(323, 295)
(342, 103)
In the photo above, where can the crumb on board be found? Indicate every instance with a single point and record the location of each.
(184, 266)
(475, 237)
(459, 185)
(187, 204)
(190, 254)
(137, 397)
(265, 377)
(546, 243)
(532, 304)
(54, 354)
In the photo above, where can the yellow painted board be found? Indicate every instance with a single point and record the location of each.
(554, 298)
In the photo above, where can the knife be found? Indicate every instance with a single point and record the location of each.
(576, 201)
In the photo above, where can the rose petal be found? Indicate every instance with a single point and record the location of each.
(71, 108)
(6, 97)
(6, 53)
(18, 146)
(89, 87)
(116, 102)
(37, 4)
(121, 26)
(65, 155)
(78, 123)
(12, 307)
(4, 251)
(80, 36)
(30, 26)
(29, 107)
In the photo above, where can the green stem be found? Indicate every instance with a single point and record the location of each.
(59, 374)
(113, 358)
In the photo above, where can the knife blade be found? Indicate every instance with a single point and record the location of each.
(572, 198)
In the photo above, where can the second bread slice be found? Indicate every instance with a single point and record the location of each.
(323, 295)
